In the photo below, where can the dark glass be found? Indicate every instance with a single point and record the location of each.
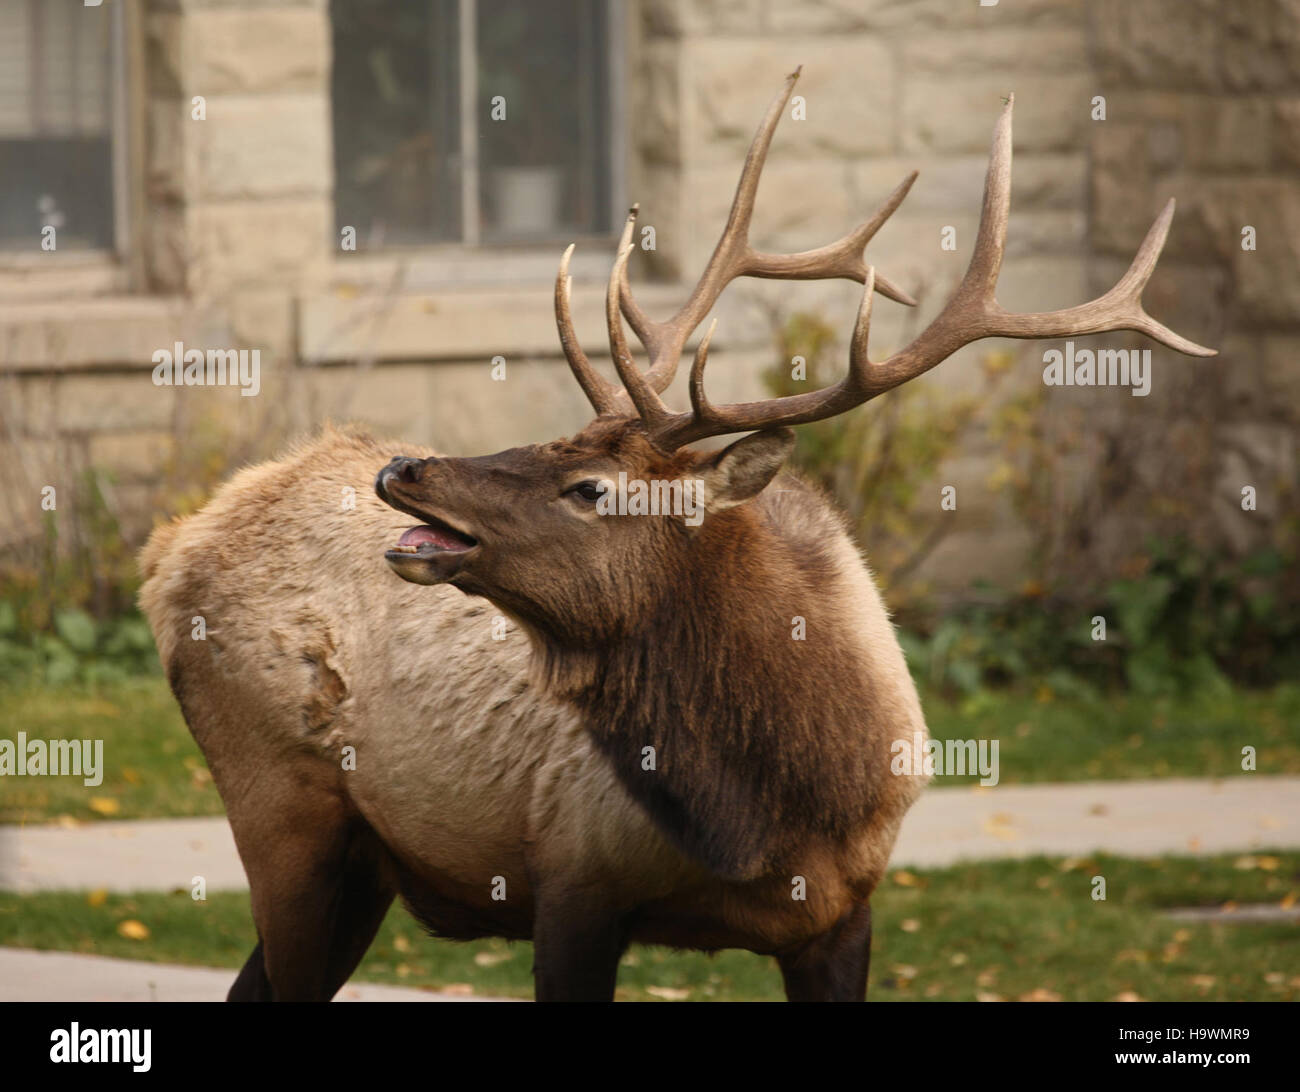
(396, 131)
(543, 170)
(56, 154)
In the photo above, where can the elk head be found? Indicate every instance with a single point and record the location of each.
(531, 529)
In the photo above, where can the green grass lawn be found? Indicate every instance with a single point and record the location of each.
(996, 930)
(154, 769)
(151, 765)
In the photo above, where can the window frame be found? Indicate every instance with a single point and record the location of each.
(124, 83)
(469, 259)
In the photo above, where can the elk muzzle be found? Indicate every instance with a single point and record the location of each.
(434, 551)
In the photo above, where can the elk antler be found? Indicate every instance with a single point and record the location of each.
(972, 313)
(733, 257)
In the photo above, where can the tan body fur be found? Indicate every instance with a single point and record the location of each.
(464, 768)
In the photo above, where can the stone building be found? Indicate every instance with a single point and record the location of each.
(205, 166)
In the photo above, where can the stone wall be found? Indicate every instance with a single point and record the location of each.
(238, 245)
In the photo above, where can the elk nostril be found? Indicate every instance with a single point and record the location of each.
(408, 471)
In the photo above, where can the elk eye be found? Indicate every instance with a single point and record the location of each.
(590, 491)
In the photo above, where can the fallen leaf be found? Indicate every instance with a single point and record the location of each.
(97, 897)
(132, 929)
(982, 995)
(103, 805)
(403, 971)
(458, 989)
(131, 775)
(1127, 995)
(1040, 993)
(958, 958)
(668, 993)
(910, 925)
(906, 879)
(491, 959)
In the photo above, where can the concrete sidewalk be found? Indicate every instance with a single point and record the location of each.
(62, 976)
(1133, 818)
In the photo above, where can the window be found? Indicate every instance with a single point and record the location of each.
(58, 60)
(473, 121)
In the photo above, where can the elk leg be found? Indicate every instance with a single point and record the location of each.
(252, 983)
(833, 966)
(320, 884)
(576, 952)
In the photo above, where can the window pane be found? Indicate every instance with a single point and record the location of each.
(55, 123)
(543, 170)
(396, 137)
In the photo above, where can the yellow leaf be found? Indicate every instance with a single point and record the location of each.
(97, 897)
(668, 993)
(906, 879)
(491, 959)
(1127, 995)
(104, 805)
(1040, 993)
(910, 925)
(401, 944)
(958, 958)
(132, 929)
(459, 989)
(131, 775)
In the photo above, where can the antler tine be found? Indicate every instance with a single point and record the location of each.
(842, 258)
(602, 394)
(649, 406)
(707, 420)
(972, 313)
(733, 257)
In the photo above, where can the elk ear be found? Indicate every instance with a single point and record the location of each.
(741, 471)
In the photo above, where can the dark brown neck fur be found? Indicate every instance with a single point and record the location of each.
(760, 740)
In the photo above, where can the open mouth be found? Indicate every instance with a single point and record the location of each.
(432, 553)
(433, 537)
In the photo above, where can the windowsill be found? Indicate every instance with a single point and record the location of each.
(441, 267)
(33, 258)
(60, 275)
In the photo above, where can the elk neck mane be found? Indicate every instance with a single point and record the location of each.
(749, 678)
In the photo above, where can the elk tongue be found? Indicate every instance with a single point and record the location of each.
(432, 536)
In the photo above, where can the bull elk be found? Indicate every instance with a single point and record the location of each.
(647, 755)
